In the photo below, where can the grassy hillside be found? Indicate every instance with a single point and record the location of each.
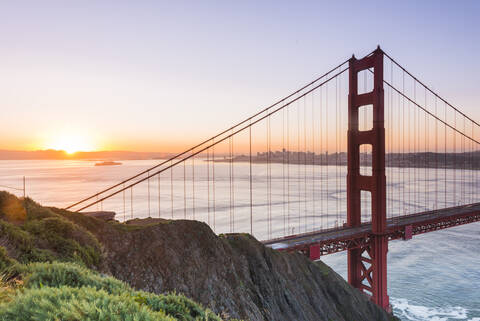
(47, 272)
(66, 291)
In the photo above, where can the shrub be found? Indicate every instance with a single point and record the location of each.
(69, 241)
(59, 274)
(35, 211)
(5, 261)
(82, 304)
(177, 306)
(45, 236)
(17, 237)
(66, 291)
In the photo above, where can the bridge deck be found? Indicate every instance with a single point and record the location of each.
(342, 238)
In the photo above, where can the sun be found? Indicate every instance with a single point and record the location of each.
(70, 143)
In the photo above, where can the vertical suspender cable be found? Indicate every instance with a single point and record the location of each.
(403, 144)
(326, 151)
(340, 136)
(427, 197)
(410, 156)
(436, 157)
(400, 155)
(269, 180)
(313, 161)
(288, 167)
(208, 186)
(415, 135)
(320, 159)
(298, 166)
(213, 185)
(305, 162)
(392, 140)
(462, 172)
(230, 178)
(445, 155)
(475, 168)
(159, 195)
(283, 172)
(336, 149)
(148, 192)
(250, 177)
(184, 191)
(193, 185)
(131, 202)
(471, 168)
(454, 158)
(233, 184)
(171, 187)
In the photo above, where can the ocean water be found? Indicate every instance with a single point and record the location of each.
(434, 277)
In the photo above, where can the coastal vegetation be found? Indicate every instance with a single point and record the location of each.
(51, 274)
(67, 291)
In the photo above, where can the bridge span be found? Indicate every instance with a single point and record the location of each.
(366, 143)
(333, 240)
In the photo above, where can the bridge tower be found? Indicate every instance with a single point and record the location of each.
(367, 266)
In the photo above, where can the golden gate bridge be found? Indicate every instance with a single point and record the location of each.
(364, 154)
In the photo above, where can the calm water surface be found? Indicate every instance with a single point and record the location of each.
(434, 277)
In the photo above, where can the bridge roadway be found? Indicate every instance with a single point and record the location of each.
(342, 238)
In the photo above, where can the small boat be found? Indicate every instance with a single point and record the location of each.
(107, 163)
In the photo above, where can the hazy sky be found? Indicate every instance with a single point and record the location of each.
(156, 76)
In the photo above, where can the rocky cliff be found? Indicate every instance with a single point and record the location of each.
(233, 275)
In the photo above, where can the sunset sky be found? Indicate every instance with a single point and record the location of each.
(160, 76)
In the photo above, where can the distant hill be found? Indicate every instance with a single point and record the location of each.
(466, 160)
(51, 154)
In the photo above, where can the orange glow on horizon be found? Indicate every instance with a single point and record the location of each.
(70, 143)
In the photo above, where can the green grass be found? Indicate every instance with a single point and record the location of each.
(67, 303)
(57, 274)
(66, 291)
(66, 239)
(177, 306)
(45, 236)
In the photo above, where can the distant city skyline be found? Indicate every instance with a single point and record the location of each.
(161, 76)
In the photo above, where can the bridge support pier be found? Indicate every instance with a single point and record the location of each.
(367, 266)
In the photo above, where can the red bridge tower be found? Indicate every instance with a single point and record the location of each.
(367, 266)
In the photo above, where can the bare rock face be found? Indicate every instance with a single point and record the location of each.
(235, 275)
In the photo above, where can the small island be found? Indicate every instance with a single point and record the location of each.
(109, 163)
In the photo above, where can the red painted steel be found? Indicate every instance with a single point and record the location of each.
(408, 232)
(367, 265)
(360, 237)
(314, 252)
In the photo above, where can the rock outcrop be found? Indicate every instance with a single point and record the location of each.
(234, 275)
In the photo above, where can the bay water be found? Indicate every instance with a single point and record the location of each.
(433, 277)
